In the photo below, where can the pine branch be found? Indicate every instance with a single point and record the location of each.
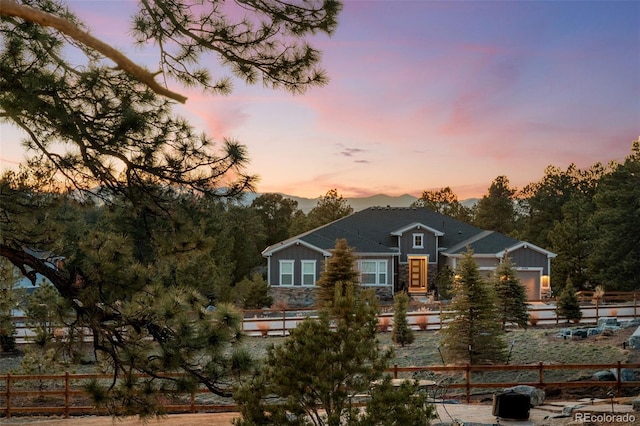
(12, 8)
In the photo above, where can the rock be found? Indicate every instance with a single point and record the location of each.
(607, 321)
(630, 323)
(581, 334)
(636, 404)
(634, 340)
(626, 374)
(593, 331)
(536, 395)
(604, 376)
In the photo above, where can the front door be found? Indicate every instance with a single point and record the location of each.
(417, 275)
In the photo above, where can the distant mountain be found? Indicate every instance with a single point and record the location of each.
(361, 203)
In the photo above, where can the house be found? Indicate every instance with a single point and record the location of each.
(399, 248)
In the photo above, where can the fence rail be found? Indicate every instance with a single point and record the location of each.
(67, 393)
(278, 322)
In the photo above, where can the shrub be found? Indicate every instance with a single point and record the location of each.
(252, 293)
(402, 333)
(383, 324)
(422, 322)
(533, 319)
(264, 328)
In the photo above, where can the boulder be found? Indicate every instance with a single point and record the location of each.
(593, 331)
(636, 404)
(604, 376)
(626, 374)
(536, 395)
(607, 321)
(634, 340)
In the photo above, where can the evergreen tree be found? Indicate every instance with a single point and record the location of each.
(444, 281)
(444, 201)
(473, 335)
(11, 297)
(339, 268)
(277, 214)
(495, 211)
(614, 260)
(402, 333)
(568, 305)
(511, 294)
(332, 206)
(141, 267)
(252, 293)
(311, 377)
(572, 240)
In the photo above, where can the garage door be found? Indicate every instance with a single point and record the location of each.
(531, 281)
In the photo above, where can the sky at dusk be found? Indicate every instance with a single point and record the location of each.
(428, 94)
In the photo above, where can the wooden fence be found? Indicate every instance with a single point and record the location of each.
(64, 393)
(278, 322)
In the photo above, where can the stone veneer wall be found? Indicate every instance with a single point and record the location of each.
(303, 297)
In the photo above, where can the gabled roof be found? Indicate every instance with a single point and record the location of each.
(417, 225)
(375, 230)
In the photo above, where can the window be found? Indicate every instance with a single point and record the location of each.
(308, 272)
(286, 272)
(373, 272)
(418, 240)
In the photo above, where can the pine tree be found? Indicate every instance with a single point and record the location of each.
(511, 294)
(568, 305)
(11, 297)
(311, 377)
(339, 268)
(402, 333)
(444, 281)
(473, 335)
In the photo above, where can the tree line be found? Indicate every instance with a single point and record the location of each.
(588, 217)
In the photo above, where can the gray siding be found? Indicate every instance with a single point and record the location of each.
(297, 253)
(527, 258)
(429, 243)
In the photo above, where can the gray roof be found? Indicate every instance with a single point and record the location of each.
(370, 231)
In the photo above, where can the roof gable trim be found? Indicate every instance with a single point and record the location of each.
(294, 242)
(419, 226)
(526, 245)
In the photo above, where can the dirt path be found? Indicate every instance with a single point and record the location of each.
(217, 419)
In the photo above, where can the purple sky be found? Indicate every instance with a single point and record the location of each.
(430, 94)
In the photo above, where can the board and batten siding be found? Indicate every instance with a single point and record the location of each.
(297, 253)
(429, 244)
(528, 258)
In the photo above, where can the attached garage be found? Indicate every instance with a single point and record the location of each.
(531, 280)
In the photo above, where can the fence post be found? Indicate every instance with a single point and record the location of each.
(284, 322)
(541, 373)
(395, 371)
(66, 394)
(597, 309)
(8, 395)
(467, 375)
(193, 402)
(619, 381)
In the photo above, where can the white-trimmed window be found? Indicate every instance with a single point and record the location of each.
(308, 272)
(373, 272)
(286, 272)
(418, 240)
